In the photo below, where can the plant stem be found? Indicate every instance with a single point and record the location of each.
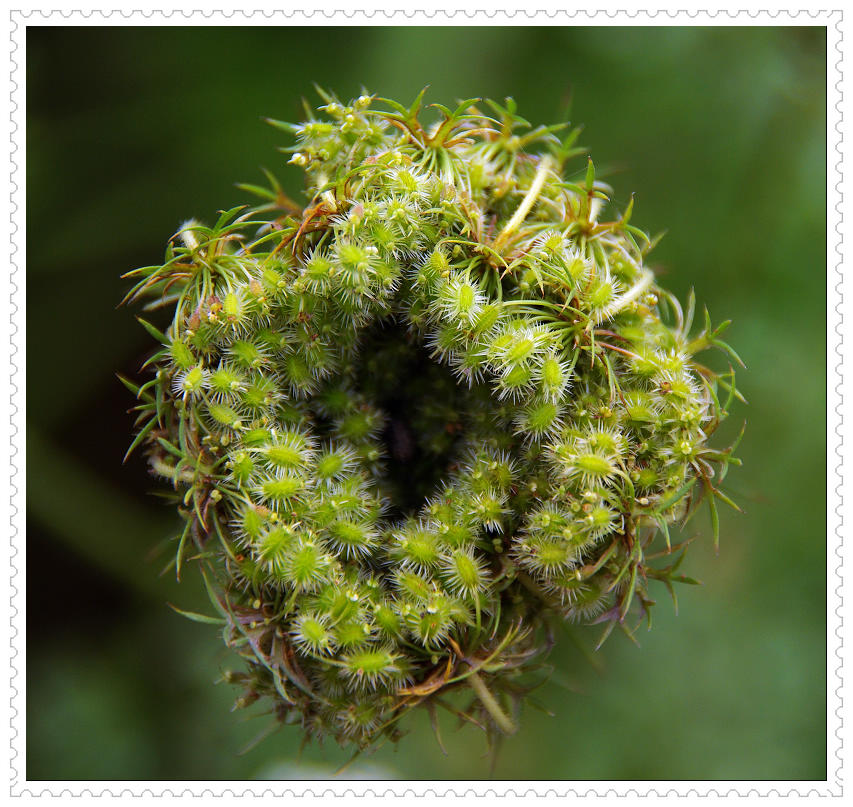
(504, 721)
(526, 203)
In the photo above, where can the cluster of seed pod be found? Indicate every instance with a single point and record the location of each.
(415, 423)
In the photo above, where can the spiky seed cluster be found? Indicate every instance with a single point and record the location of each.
(568, 429)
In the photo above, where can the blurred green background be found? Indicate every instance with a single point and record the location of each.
(721, 134)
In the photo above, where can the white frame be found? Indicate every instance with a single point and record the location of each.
(839, 340)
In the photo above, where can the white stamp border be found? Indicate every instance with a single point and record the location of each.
(839, 340)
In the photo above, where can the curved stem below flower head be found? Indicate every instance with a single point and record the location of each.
(504, 721)
(526, 204)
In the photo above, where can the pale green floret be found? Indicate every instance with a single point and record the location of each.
(386, 619)
(234, 308)
(519, 351)
(545, 557)
(554, 377)
(464, 574)
(513, 383)
(224, 415)
(412, 585)
(351, 538)
(333, 464)
(466, 299)
(487, 508)
(279, 490)
(431, 623)
(601, 296)
(589, 602)
(500, 471)
(607, 441)
(311, 634)
(226, 383)
(540, 420)
(469, 364)
(284, 456)
(356, 263)
(459, 300)
(675, 385)
(242, 467)
(646, 478)
(387, 239)
(554, 554)
(247, 354)
(486, 470)
(181, 355)
(417, 548)
(353, 633)
(549, 519)
(274, 282)
(255, 437)
(318, 273)
(457, 533)
(359, 425)
(578, 268)
(272, 546)
(299, 374)
(644, 362)
(592, 467)
(333, 401)
(252, 523)
(288, 451)
(193, 381)
(640, 408)
(369, 668)
(435, 267)
(446, 339)
(305, 567)
(487, 319)
(601, 520)
(584, 599)
(339, 599)
(260, 394)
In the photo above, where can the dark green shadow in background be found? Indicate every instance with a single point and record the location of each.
(720, 132)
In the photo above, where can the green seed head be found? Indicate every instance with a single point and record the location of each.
(413, 424)
(279, 490)
(464, 574)
(181, 355)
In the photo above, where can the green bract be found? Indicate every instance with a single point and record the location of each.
(417, 423)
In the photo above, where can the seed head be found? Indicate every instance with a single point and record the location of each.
(415, 422)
